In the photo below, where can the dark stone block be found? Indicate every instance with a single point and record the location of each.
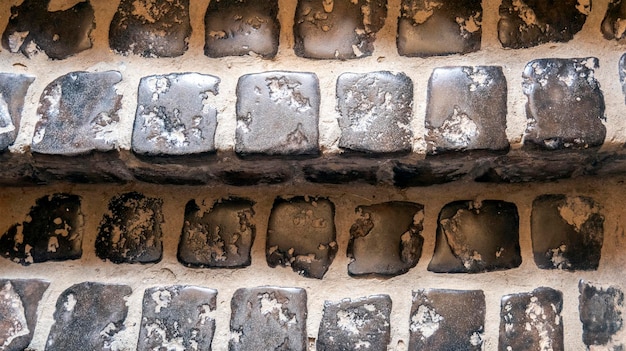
(612, 27)
(131, 231)
(241, 27)
(447, 320)
(177, 318)
(337, 29)
(355, 324)
(88, 316)
(475, 237)
(376, 110)
(532, 321)
(466, 109)
(301, 234)
(386, 238)
(13, 88)
(53, 231)
(151, 28)
(19, 300)
(567, 232)
(329, 172)
(601, 313)
(250, 175)
(430, 172)
(268, 318)
(59, 34)
(277, 114)
(528, 23)
(424, 25)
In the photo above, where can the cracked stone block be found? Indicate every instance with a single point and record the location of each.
(177, 318)
(532, 321)
(219, 235)
(386, 238)
(131, 230)
(337, 29)
(476, 237)
(528, 23)
(375, 112)
(268, 318)
(13, 88)
(613, 24)
(52, 231)
(278, 114)
(567, 232)
(176, 115)
(242, 27)
(601, 311)
(151, 28)
(33, 29)
(443, 319)
(88, 316)
(301, 233)
(354, 324)
(19, 300)
(424, 25)
(466, 109)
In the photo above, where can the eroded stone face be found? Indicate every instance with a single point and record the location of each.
(13, 88)
(613, 25)
(601, 313)
(19, 300)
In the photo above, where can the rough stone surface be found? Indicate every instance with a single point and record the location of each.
(19, 300)
(82, 322)
(268, 318)
(337, 29)
(375, 112)
(447, 320)
(476, 236)
(13, 88)
(131, 230)
(613, 23)
(301, 233)
(52, 231)
(424, 25)
(601, 313)
(355, 324)
(177, 318)
(237, 28)
(386, 238)
(151, 28)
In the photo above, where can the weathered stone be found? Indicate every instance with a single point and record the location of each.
(342, 172)
(622, 74)
(337, 29)
(52, 231)
(88, 316)
(241, 27)
(386, 238)
(425, 25)
(13, 88)
(177, 318)
(268, 318)
(447, 320)
(131, 230)
(430, 172)
(601, 313)
(255, 174)
(151, 28)
(301, 234)
(355, 324)
(612, 27)
(19, 300)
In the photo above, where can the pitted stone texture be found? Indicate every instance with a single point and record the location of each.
(217, 236)
(151, 28)
(424, 26)
(601, 313)
(52, 231)
(466, 109)
(88, 316)
(476, 236)
(386, 238)
(78, 114)
(532, 321)
(131, 230)
(301, 234)
(13, 88)
(356, 324)
(176, 115)
(375, 112)
(277, 114)
(567, 232)
(613, 23)
(268, 318)
(19, 299)
(177, 318)
(565, 105)
(447, 320)
(337, 29)
(528, 23)
(59, 34)
(242, 27)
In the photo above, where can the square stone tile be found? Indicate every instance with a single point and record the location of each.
(13, 88)
(19, 300)
(601, 311)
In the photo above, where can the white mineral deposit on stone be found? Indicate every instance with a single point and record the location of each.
(458, 129)
(349, 321)
(155, 331)
(576, 212)
(271, 306)
(479, 76)
(70, 303)
(426, 321)
(569, 79)
(162, 299)
(476, 339)
(158, 85)
(283, 90)
(357, 52)
(534, 311)
(558, 259)
(206, 313)
(53, 98)
(13, 316)
(6, 124)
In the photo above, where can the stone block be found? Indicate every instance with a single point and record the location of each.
(601, 311)
(19, 300)
(13, 88)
